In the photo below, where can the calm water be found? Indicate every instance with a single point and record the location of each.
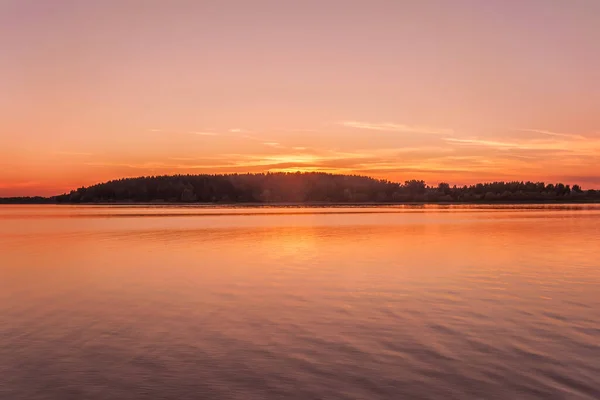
(299, 303)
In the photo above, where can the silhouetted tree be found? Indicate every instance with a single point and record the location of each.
(444, 188)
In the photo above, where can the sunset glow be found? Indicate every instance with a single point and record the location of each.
(462, 92)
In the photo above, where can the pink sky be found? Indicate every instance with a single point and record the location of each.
(458, 91)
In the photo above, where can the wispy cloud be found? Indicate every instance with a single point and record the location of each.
(479, 142)
(272, 144)
(253, 138)
(204, 133)
(555, 144)
(73, 153)
(393, 127)
(550, 133)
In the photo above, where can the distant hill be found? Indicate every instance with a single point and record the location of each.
(313, 187)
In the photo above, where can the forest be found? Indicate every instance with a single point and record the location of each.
(309, 187)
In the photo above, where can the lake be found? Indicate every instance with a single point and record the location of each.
(421, 302)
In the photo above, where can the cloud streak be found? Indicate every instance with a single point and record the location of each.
(73, 153)
(556, 145)
(394, 127)
(550, 133)
(204, 133)
(199, 133)
(272, 144)
(479, 142)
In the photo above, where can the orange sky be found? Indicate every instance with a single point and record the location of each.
(459, 91)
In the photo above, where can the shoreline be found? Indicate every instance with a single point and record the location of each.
(300, 204)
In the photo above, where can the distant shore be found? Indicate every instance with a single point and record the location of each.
(309, 189)
(300, 204)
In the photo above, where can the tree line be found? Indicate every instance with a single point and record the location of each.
(309, 187)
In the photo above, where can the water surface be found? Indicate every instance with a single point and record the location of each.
(425, 302)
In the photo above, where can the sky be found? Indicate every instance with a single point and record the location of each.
(458, 91)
